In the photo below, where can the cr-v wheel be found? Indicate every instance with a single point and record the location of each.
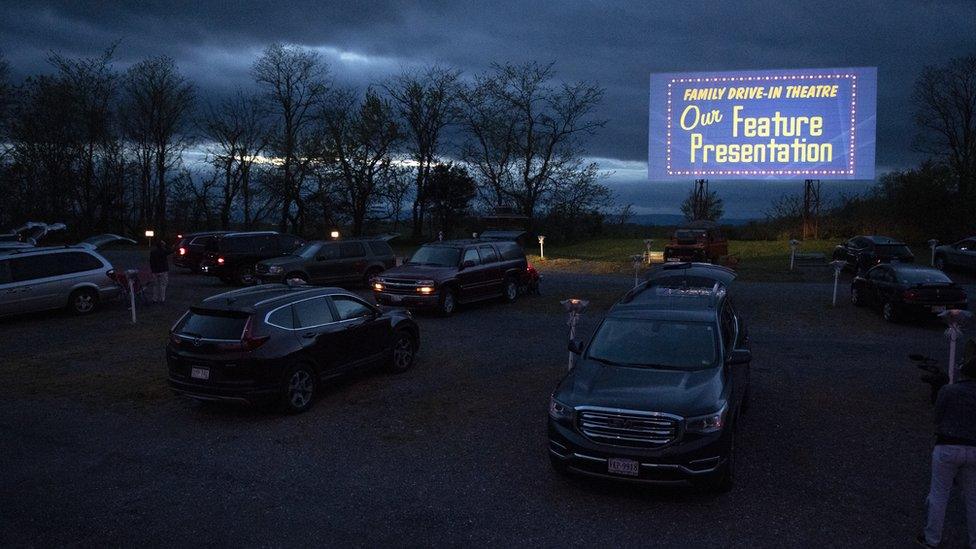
(448, 302)
(299, 390)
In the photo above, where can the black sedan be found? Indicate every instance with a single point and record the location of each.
(863, 252)
(276, 342)
(961, 255)
(903, 290)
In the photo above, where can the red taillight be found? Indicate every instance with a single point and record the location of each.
(248, 341)
(182, 251)
(220, 261)
(909, 295)
(174, 339)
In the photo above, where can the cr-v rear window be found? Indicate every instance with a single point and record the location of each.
(212, 324)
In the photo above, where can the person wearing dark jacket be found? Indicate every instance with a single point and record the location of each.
(954, 456)
(159, 265)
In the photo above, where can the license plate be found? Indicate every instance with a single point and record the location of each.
(623, 466)
(200, 373)
(938, 308)
(396, 298)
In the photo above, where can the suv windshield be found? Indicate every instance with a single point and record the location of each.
(894, 250)
(437, 256)
(654, 344)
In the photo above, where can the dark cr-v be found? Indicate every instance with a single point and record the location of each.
(442, 275)
(280, 342)
(655, 395)
(232, 256)
(318, 262)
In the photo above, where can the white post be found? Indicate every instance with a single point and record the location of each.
(132, 298)
(793, 244)
(932, 244)
(954, 319)
(575, 307)
(647, 244)
(542, 250)
(637, 259)
(837, 265)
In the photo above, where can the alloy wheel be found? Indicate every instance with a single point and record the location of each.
(403, 353)
(300, 388)
(511, 290)
(84, 302)
(448, 305)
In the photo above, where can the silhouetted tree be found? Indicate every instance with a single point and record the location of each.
(426, 103)
(710, 207)
(451, 190)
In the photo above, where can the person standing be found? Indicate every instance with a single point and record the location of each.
(159, 265)
(954, 456)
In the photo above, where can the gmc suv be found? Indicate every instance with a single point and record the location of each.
(655, 395)
(232, 256)
(442, 275)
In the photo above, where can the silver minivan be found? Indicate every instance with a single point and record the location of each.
(38, 279)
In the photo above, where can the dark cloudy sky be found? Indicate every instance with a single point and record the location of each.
(617, 44)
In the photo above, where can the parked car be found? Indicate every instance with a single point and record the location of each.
(903, 290)
(103, 241)
(337, 262)
(191, 249)
(233, 256)
(38, 279)
(863, 252)
(655, 395)
(961, 255)
(701, 241)
(278, 342)
(441, 275)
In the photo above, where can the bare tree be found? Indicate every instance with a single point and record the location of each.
(945, 112)
(294, 80)
(702, 206)
(239, 135)
(361, 137)
(158, 106)
(426, 103)
(6, 99)
(525, 132)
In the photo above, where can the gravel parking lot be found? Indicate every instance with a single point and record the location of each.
(97, 451)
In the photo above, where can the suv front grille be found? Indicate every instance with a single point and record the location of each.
(623, 428)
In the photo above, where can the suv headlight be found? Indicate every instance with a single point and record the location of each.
(276, 269)
(559, 411)
(707, 424)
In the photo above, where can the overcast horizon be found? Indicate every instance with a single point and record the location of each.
(615, 44)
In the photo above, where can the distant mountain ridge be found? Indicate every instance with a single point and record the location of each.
(666, 220)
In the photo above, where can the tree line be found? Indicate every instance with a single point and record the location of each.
(105, 150)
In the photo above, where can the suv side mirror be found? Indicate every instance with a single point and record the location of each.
(740, 356)
(576, 346)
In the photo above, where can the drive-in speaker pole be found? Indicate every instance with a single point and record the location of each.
(793, 245)
(838, 266)
(575, 308)
(954, 318)
(647, 246)
(932, 244)
(542, 250)
(638, 260)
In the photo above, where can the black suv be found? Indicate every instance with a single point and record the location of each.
(280, 342)
(192, 248)
(321, 262)
(655, 395)
(441, 275)
(232, 256)
(863, 252)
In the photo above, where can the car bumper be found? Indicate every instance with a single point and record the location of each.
(931, 308)
(680, 462)
(210, 392)
(214, 270)
(407, 300)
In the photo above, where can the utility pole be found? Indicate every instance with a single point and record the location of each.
(811, 209)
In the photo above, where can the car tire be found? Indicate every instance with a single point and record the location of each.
(856, 299)
(722, 480)
(940, 263)
(244, 275)
(889, 312)
(448, 302)
(83, 301)
(300, 389)
(404, 351)
(510, 290)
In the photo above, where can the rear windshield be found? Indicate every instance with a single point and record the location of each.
(688, 234)
(436, 256)
(894, 250)
(308, 251)
(380, 247)
(922, 276)
(212, 325)
(654, 344)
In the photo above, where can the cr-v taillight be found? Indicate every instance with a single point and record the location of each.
(249, 341)
(909, 295)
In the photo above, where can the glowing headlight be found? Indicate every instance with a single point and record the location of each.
(378, 286)
(426, 289)
(711, 423)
